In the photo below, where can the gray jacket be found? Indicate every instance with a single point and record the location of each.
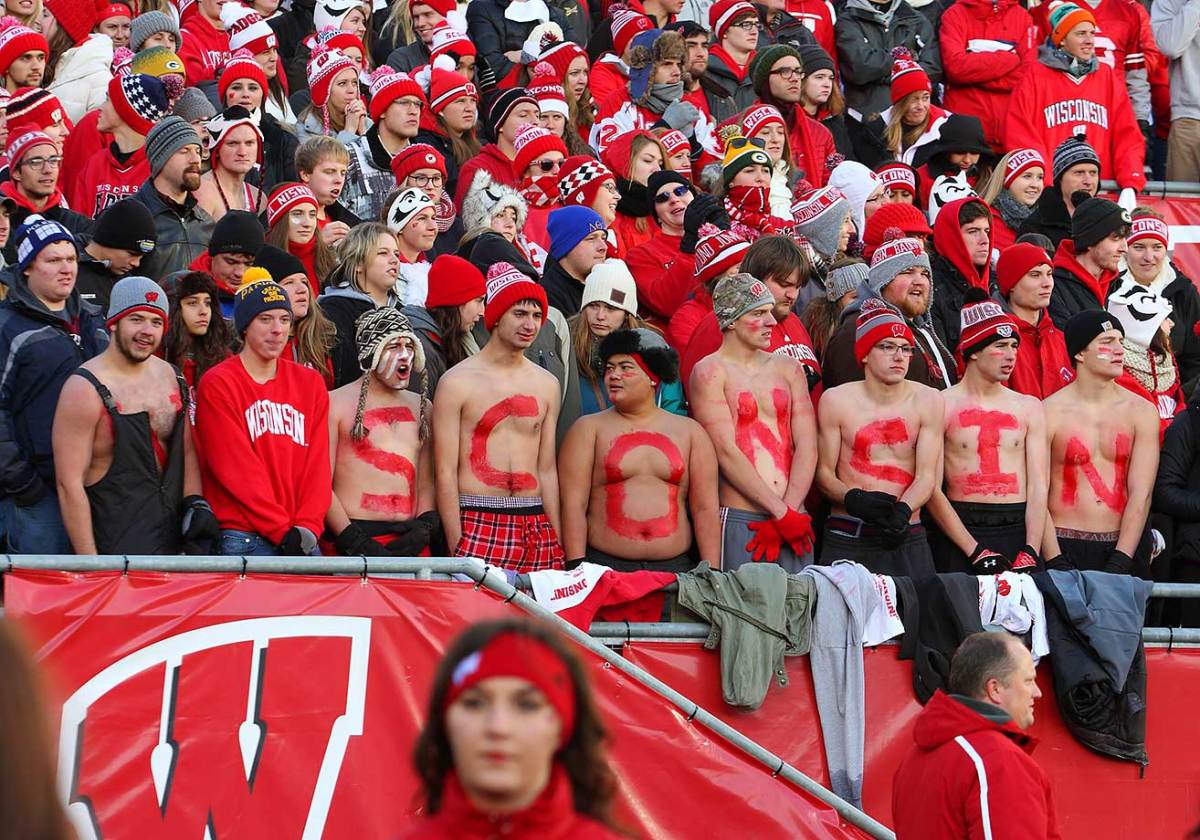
(181, 234)
(759, 614)
(1176, 26)
(866, 34)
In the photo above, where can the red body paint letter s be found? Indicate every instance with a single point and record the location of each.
(399, 504)
(989, 480)
(518, 405)
(887, 432)
(614, 509)
(748, 428)
(1077, 456)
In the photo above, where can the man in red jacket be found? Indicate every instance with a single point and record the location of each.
(507, 112)
(263, 427)
(969, 774)
(1023, 275)
(205, 45)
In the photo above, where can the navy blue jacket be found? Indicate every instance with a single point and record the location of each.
(39, 349)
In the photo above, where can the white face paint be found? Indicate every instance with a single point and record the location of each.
(394, 367)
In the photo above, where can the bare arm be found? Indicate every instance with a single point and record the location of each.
(829, 449)
(712, 412)
(1037, 473)
(424, 490)
(547, 462)
(337, 520)
(74, 434)
(1143, 466)
(804, 441)
(447, 422)
(576, 463)
(702, 498)
(191, 464)
(930, 438)
(946, 516)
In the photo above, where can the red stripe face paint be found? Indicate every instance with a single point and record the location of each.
(887, 432)
(989, 480)
(748, 429)
(615, 517)
(1077, 456)
(399, 504)
(518, 405)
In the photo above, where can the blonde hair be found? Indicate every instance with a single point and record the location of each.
(319, 147)
(897, 135)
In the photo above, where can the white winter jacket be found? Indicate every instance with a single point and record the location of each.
(81, 78)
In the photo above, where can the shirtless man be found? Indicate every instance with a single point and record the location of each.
(630, 475)
(880, 443)
(124, 462)
(757, 412)
(991, 510)
(379, 444)
(1103, 457)
(495, 416)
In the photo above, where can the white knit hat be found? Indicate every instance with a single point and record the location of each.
(331, 13)
(611, 282)
(247, 29)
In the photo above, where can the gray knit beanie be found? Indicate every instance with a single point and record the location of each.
(819, 217)
(168, 136)
(735, 296)
(845, 277)
(897, 254)
(148, 23)
(136, 294)
(193, 105)
(1072, 152)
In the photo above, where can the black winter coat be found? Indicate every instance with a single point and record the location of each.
(94, 281)
(1185, 312)
(1069, 297)
(1177, 487)
(563, 291)
(1049, 218)
(409, 57)
(865, 51)
(493, 34)
(77, 223)
(343, 307)
(279, 154)
(726, 95)
(946, 303)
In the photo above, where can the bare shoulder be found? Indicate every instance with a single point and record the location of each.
(1140, 409)
(929, 401)
(1029, 407)
(708, 371)
(842, 395)
(79, 396)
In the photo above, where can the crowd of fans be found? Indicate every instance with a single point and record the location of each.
(649, 284)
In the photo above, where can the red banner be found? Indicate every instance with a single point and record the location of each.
(1094, 796)
(220, 706)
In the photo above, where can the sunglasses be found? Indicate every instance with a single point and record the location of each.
(679, 192)
(547, 166)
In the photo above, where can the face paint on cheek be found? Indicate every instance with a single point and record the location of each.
(888, 432)
(387, 364)
(657, 527)
(518, 405)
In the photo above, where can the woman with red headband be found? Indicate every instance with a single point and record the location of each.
(513, 743)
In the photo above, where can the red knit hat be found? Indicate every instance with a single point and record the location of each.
(907, 75)
(388, 85)
(33, 108)
(240, 65)
(716, 251)
(446, 39)
(876, 322)
(445, 86)
(285, 198)
(1021, 160)
(561, 55)
(340, 39)
(417, 156)
(981, 322)
(16, 39)
(906, 217)
(20, 144)
(625, 24)
(442, 7)
(531, 141)
(141, 100)
(76, 17)
(723, 13)
(506, 286)
(545, 87)
(453, 281)
(674, 142)
(898, 176)
(1015, 262)
(1149, 227)
(759, 117)
(323, 66)
(580, 178)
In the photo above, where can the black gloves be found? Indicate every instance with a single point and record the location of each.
(1026, 559)
(199, 527)
(984, 561)
(704, 209)
(871, 506)
(1119, 563)
(354, 542)
(424, 530)
(33, 493)
(895, 529)
(297, 542)
(1144, 125)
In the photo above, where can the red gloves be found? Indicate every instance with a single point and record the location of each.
(794, 528)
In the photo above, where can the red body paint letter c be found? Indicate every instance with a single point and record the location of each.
(518, 405)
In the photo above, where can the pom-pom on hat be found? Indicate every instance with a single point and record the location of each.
(507, 286)
(546, 88)
(907, 75)
(1019, 161)
(625, 24)
(738, 294)
(141, 100)
(895, 255)
(716, 251)
(16, 39)
(405, 208)
(246, 29)
(1015, 262)
(323, 66)
(1063, 17)
(256, 296)
(286, 197)
(649, 350)
(417, 156)
(898, 176)
(1140, 310)
(135, 294)
(454, 281)
(611, 282)
(982, 321)
(1149, 227)
(240, 65)
(532, 141)
(580, 178)
(388, 85)
(876, 322)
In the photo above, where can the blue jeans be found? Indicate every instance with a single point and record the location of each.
(37, 529)
(246, 544)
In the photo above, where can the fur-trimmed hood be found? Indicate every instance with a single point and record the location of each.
(485, 199)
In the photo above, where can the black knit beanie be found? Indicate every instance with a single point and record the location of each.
(238, 232)
(127, 225)
(278, 263)
(1094, 219)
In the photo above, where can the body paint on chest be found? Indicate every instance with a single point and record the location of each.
(656, 527)
(398, 504)
(887, 432)
(748, 429)
(1077, 457)
(518, 405)
(988, 480)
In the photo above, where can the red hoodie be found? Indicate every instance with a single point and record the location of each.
(264, 448)
(1043, 365)
(106, 180)
(969, 777)
(949, 245)
(492, 161)
(205, 48)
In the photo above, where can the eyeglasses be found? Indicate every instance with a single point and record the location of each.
(547, 166)
(52, 162)
(610, 186)
(679, 192)
(788, 73)
(747, 23)
(422, 181)
(890, 349)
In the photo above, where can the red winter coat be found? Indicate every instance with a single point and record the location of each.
(664, 275)
(1002, 234)
(978, 82)
(811, 144)
(819, 16)
(686, 318)
(607, 78)
(491, 160)
(205, 48)
(1043, 365)
(1167, 401)
(105, 181)
(970, 777)
(788, 338)
(551, 817)
(84, 141)
(1048, 106)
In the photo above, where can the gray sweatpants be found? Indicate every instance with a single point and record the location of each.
(735, 533)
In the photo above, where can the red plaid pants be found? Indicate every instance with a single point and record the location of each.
(521, 542)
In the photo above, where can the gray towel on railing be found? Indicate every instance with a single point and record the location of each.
(759, 614)
(845, 598)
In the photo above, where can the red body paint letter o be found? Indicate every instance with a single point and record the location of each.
(614, 509)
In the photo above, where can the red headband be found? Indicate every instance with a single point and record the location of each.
(637, 357)
(515, 654)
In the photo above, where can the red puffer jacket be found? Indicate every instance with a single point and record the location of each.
(979, 77)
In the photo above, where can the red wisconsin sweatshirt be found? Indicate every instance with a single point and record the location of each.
(205, 48)
(105, 180)
(264, 448)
